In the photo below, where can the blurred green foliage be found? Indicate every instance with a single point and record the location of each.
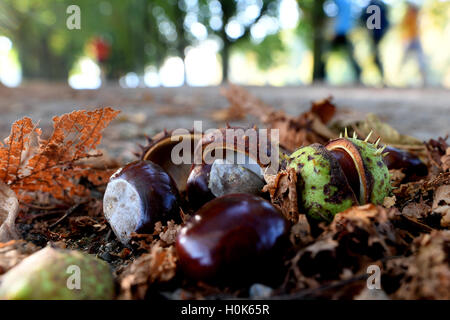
(140, 32)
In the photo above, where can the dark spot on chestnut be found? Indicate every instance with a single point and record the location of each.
(310, 158)
(233, 239)
(137, 196)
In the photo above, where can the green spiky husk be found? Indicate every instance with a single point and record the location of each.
(373, 161)
(322, 185)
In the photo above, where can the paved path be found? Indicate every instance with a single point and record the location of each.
(422, 113)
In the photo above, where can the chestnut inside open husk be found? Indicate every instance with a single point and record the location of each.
(343, 173)
(233, 239)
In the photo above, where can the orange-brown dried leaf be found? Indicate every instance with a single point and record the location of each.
(29, 164)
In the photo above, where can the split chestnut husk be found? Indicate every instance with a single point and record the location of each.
(343, 173)
(160, 150)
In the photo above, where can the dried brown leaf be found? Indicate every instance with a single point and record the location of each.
(282, 189)
(157, 266)
(428, 274)
(294, 132)
(29, 164)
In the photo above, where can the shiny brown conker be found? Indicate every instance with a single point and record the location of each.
(234, 238)
(197, 187)
(137, 196)
(411, 165)
(348, 166)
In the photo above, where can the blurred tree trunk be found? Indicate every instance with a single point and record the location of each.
(225, 55)
(228, 9)
(318, 24)
(182, 42)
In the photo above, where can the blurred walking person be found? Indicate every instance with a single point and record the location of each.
(377, 34)
(411, 38)
(344, 24)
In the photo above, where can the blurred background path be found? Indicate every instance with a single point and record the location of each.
(421, 113)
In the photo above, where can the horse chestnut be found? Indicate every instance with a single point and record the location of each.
(137, 196)
(343, 173)
(411, 165)
(197, 187)
(233, 238)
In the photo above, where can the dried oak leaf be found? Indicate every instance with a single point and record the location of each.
(9, 207)
(29, 164)
(428, 274)
(159, 265)
(294, 132)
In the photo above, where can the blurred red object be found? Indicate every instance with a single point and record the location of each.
(99, 48)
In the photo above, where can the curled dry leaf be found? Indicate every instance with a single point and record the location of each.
(388, 134)
(428, 274)
(9, 207)
(437, 155)
(29, 164)
(157, 266)
(282, 188)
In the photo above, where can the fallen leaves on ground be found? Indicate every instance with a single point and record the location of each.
(159, 265)
(428, 274)
(294, 131)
